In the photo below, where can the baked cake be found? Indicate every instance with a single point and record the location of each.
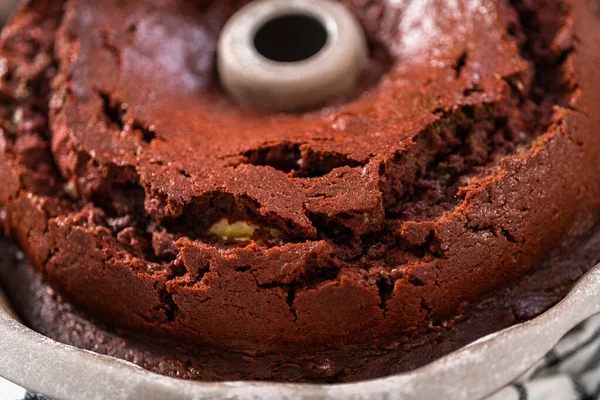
(453, 194)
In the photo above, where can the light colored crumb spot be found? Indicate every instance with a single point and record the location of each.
(18, 116)
(240, 230)
(70, 189)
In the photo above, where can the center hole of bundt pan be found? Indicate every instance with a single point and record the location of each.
(290, 38)
(290, 55)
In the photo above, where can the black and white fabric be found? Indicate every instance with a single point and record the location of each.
(571, 371)
(10, 391)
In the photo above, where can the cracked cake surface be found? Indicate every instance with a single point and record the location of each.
(304, 246)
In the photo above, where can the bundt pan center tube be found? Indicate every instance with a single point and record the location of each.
(289, 55)
(449, 192)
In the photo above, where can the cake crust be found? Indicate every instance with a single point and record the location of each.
(467, 155)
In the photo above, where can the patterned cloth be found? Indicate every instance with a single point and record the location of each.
(10, 391)
(571, 371)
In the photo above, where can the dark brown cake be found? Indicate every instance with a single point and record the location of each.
(455, 193)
